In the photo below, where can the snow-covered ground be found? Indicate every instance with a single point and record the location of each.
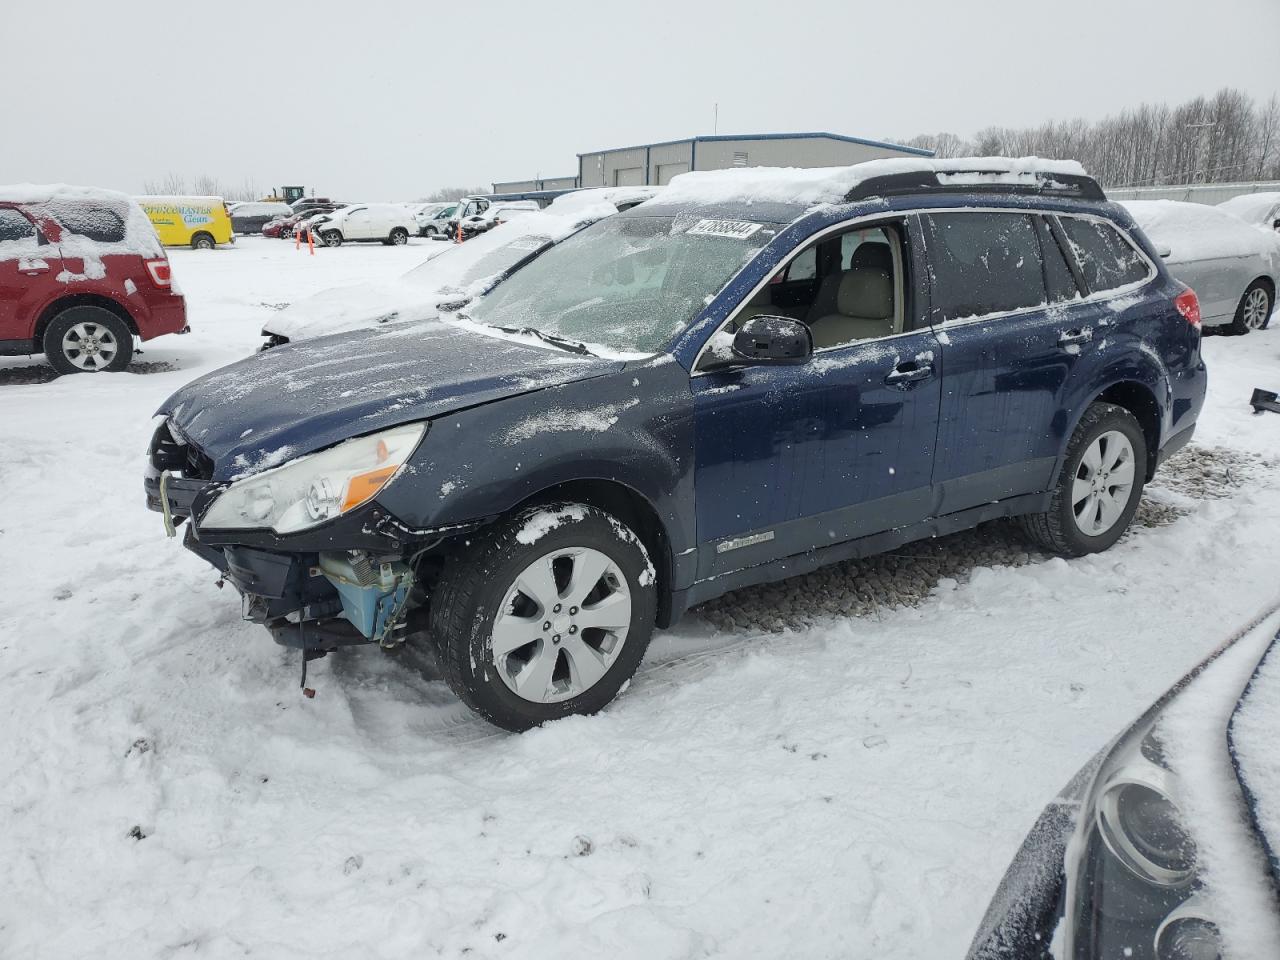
(781, 778)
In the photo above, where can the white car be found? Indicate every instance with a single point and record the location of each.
(388, 223)
(452, 277)
(1258, 209)
(1233, 268)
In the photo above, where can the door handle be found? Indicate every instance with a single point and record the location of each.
(909, 371)
(1073, 338)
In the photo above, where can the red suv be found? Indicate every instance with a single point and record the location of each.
(81, 274)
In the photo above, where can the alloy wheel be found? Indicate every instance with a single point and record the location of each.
(1256, 306)
(562, 625)
(90, 346)
(1103, 483)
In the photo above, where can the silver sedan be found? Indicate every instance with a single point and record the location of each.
(1234, 268)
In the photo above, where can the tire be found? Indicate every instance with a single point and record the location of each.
(331, 238)
(1074, 529)
(398, 237)
(1254, 309)
(431, 232)
(107, 341)
(202, 241)
(489, 592)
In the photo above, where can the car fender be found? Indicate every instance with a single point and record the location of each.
(632, 428)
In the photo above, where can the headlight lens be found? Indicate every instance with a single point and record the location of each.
(308, 491)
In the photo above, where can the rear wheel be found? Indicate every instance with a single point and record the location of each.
(1254, 309)
(1100, 485)
(545, 615)
(399, 237)
(331, 238)
(431, 232)
(202, 241)
(87, 340)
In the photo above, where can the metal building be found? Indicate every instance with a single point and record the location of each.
(657, 163)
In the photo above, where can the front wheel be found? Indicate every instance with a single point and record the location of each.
(331, 238)
(545, 615)
(1254, 309)
(87, 340)
(1100, 485)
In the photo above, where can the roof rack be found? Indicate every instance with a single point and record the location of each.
(978, 180)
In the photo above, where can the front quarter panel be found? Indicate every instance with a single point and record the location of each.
(633, 427)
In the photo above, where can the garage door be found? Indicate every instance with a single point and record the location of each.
(628, 177)
(668, 170)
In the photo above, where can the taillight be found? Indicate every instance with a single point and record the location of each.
(160, 273)
(1188, 305)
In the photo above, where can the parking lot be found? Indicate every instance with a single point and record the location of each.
(838, 765)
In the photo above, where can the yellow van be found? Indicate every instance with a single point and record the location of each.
(198, 222)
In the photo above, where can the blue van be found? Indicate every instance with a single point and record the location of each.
(753, 375)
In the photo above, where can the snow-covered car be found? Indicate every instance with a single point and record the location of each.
(1233, 268)
(424, 214)
(1164, 847)
(388, 223)
(452, 277)
(1256, 209)
(250, 217)
(437, 225)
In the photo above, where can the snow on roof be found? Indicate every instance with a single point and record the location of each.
(815, 185)
(1254, 208)
(1197, 231)
(45, 192)
(139, 235)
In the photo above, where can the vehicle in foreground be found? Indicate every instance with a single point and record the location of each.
(197, 222)
(757, 373)
(81, 274)
(387, 223)
(1256, 209)
(250, 217)
(452, 277)
(1164, 847)
(1233, 268)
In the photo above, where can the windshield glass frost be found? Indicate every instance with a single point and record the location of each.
(627, 283)
(460, 267)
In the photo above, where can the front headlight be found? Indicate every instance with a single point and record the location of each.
(308, 491)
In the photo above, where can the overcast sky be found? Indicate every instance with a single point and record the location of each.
(391, 100)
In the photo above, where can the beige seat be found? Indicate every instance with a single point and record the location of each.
(863, 300)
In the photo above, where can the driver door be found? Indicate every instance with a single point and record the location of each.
(794, 457)
(357, 225)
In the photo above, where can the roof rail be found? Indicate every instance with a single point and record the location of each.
(978, 180)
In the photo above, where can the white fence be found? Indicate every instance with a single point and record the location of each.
(1193, 192)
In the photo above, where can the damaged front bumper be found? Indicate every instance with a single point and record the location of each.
(344, 582)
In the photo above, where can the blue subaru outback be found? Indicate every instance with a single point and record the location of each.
(755, 374)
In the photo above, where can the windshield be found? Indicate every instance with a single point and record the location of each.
(459, 268)
(627, 283)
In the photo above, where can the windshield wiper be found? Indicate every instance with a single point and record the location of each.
(564, 343)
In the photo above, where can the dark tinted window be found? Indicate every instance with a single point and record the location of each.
(984, 263)
(14, 226)
(1106, 259)
(96, 222)
(1057, 275)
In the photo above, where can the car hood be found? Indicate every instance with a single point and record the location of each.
(299, 398)
(352, 308)
(1251, 738)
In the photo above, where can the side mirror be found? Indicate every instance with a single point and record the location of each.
(766, 339)
(1163, 251)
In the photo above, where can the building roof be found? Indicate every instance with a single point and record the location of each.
(811, 135)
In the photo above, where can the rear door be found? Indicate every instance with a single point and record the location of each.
(1001, 303)
(29, 275)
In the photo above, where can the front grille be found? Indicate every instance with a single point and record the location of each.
(168, 454)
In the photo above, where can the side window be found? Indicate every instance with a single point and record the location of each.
(1106, 259)
(14, 227)
(100, 224)
(984, 263)
(855, 288)
(1058, 278)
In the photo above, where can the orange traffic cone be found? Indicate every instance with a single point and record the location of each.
(297, 238)
(311, 241)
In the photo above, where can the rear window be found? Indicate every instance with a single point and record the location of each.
(96, 222)
(14, 226)
(1106, 259)
(984, 263)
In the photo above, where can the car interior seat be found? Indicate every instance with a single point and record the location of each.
(855, 304)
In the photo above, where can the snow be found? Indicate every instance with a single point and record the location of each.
(1253, 732)
(139, 235)
(1195, 231)
(812, 186)
(545, 521)
(846, 786)
(1255, 209)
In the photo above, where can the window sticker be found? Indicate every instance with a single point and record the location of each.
(733, 229)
